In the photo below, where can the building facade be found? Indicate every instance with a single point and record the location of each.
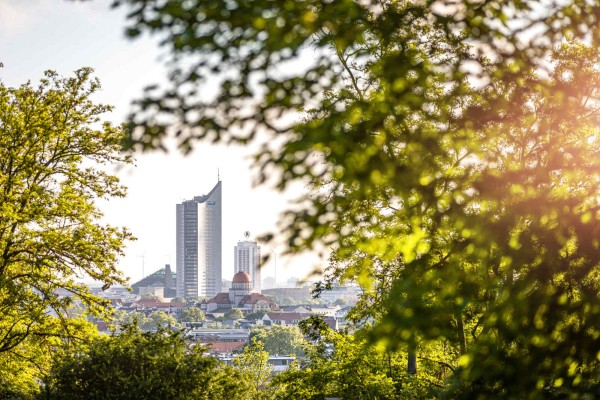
(247, 259)
(240, 296)
(164, 279)
(198, 236)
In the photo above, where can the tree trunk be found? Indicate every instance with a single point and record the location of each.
(412, 358)
(462, 342)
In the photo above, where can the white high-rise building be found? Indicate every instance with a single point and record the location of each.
(247, 259)
(199, 245)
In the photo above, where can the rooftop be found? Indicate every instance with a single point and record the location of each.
(242, 277)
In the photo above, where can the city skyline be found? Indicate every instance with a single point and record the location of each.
(65, 36)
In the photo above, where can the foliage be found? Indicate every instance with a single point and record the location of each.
(132, 318)
(53, 153)
(23, 367)
(191, 314)
(282, 340)
(347, 366)
(156, 320)
(288, 301)
(234, 313)
(254, 316)
(453, 151)
(133, 364)
(160, 319)
(254, 365)
(179, 300)
(493, 267)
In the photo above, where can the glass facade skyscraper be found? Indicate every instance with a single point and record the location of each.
(198, 238)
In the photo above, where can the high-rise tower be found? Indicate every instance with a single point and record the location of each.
(247, 259)
(199, 245)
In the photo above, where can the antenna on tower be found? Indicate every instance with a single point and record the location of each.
(218, 175)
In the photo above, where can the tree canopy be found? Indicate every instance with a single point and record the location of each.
(452, 151)
(339, 365)
(155, 321)
(55, 158)
(132, 364)
(23, 368)
(234, 313)
(253, 364)
(191, 314)
(282, 340)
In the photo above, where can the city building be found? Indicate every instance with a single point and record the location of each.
(293, 318)
(268, 283)
(278, 363)
(211, 335)
(247, 259)
(148, 305)
(282, 295)
(341, 294)
(198, 250)
(160, 283)
(293, 282)
(240, 296)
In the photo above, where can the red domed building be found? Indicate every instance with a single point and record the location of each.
(240, 296)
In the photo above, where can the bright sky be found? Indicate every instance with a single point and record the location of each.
(36, 35)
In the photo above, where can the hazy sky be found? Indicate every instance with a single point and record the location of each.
(36, 35)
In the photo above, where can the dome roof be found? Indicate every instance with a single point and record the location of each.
(241, 277)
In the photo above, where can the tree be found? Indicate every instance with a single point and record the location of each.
(134, 318)
(288, 301)
(255, 315)
(133, 364)
(453, 158)
(54, 153)
(282, 340)
(541, 252)
(191, 314)
(22, 368)
(179, 300)
(159, 320)
(254, 365)
(234, 313)
(347, 366)
(155, 321)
